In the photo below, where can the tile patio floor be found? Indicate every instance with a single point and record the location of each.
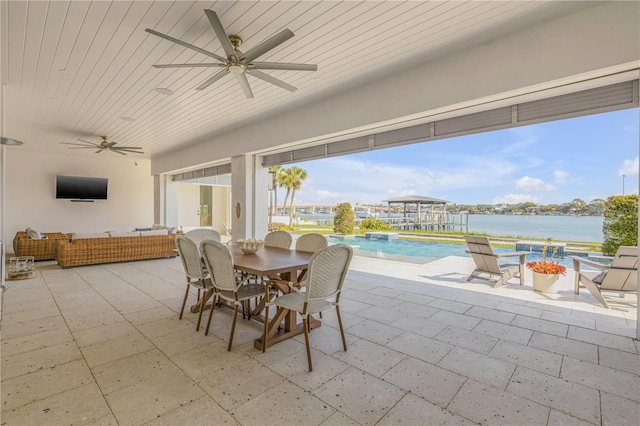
(103, 345)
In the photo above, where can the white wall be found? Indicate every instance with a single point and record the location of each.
(579, 46)
(31, 194)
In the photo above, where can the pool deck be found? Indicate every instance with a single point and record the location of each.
(103, 344)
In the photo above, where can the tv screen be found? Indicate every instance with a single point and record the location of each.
(81, 188)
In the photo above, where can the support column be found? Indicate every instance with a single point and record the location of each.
(249, 197)
(165, 201)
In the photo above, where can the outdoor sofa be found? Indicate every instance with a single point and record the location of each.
(40, 248)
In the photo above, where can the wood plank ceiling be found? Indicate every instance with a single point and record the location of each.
(80, 69)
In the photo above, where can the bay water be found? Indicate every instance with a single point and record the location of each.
(558, 228)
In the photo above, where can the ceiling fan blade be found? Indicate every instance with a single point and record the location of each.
(272, 80)
(187, 45)
(127, 147)
(213, 79)
(267, 45)
(99, 151)
(244, 83)
(111, 144)
(222, 34)
(91, 143)
(129, 150)
(82, 147)
(115, 150)
(282, 66)
(202, 65)
(78, 144)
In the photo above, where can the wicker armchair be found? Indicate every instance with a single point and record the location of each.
(44, 249)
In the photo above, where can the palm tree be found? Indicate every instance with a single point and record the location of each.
(286, 181)
(297, 176)
(275, 171)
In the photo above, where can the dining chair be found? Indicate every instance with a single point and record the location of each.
(279, 239)
(200, 234)
(196, 276)
(320, 291)
(228, 287)
(307, 242)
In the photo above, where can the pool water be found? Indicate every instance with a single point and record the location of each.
(422, 252)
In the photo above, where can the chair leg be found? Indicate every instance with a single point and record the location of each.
(206, 331)
(596, 292)
(233, 327)
(266, 327)
(184, 302)
(306, 340)
(202, 303)
(344, 341)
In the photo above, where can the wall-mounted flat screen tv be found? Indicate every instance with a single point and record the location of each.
(81, 188)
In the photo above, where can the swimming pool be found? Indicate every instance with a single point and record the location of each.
(419, 251)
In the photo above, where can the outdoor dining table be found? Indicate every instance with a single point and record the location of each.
(268, 262)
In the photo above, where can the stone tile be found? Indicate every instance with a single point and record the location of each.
(376, 300)
(428, 381)
(329, 318)
(22, 329)
(39, 359)
(619, 360)
(116, 348)
(467, 339)
(370, 357)
(544, 326)
(619, 411)
(520, 310)
(527, 356)
(558, 418)
(339, 419)
(562, 346)
(603, 339)
(104, 333)
(412, 410)
(381, 314)
(23, 316)
(166, 326)
(88, 319)
(81, 405)
(35, 341)
(450, 305)
(296, 369)
(504, 331)
(414, 310)
(30, 306)
(569, 319)
(616, 382)
(420, 347)
(181, 341)
(327, 339)
(360, 395)
(352, 306)
(301, 407)
(234, 385)
(43, 383)
(146, 400)
(458, 320)
(479, 367)
(484, 404)
(420, 299)
(203, 411)
(557, 393)
(155, 313)
(386, 291)
(626, 330)
(421, 326)
(375, 331)
(275, 353)
(209, 359)
(490, 314)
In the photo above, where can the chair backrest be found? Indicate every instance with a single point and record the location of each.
(279, 239)
(311, 242)
(482, 254)
(622, 275)
(327, 271)
(201, 234)
(219, 263)
(190, 257)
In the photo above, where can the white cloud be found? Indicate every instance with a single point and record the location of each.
(515, 199)
(529, 184)
(629, 167)
(561, 176)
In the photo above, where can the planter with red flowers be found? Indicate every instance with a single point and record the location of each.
(546, 272)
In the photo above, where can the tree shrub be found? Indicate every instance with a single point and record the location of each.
(620, 226)
(276, 226)
(343, 219)
(374, 224)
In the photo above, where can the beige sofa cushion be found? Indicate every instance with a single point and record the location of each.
(83, 235)
(124, 233)
(154, 232)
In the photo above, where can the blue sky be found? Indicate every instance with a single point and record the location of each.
(546, 163)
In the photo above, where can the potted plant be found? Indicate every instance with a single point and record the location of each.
(546, 272)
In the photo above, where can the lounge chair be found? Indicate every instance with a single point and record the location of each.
(620, 277)
(487, 261)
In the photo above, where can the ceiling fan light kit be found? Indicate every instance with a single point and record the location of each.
(235, 62)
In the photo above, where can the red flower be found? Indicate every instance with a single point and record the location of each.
(547, 267)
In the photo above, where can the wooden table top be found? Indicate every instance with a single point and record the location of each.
(270, 260)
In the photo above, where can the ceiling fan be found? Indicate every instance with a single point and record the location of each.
(237, 63)
(105, 146)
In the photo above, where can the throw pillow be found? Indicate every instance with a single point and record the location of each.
(32, 233)
(143, 229)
